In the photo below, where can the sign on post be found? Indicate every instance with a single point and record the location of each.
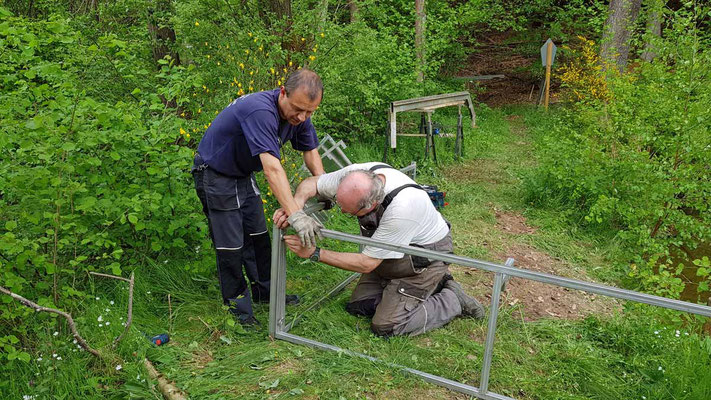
(544, 57)
(548, 51)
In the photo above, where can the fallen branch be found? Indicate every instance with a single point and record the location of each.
(129, 319)
(67, 316)
(169, 390)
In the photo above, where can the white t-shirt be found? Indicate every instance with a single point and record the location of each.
(410, 218)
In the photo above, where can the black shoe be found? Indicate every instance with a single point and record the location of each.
(470, 306)
(440, 285)
(291, 300)
(248, 321)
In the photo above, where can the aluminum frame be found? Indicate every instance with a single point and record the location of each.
(277, 306)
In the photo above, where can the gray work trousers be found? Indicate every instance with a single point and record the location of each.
(409, 305)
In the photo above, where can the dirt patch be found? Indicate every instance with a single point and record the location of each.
(513, 223)
(538, 300)
(200, 359)
(476, 171)
(420, 393)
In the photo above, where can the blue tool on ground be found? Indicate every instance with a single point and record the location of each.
(436, 196)
(158, 340)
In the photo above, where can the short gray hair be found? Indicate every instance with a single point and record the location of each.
(376, 194)
(306, 79)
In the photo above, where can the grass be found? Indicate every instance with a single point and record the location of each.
(599, 357)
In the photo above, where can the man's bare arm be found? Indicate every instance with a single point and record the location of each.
(279, 184)
(355, 262)
(313, 162)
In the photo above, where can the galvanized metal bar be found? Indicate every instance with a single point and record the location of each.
(437, 380)
(491, 328)
(428, 101)
(527, 274)
(277, 283)
(334, 291)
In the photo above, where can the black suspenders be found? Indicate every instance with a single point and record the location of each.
(390, 196)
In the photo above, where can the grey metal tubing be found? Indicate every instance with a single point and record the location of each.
(438, 380)
(527, 274)
(336, 289)
(491, 328)
(277, 295)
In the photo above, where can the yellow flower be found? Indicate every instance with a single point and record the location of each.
(228, 46)
(220, 79)
(239, 84)
(182, 131)
(205, 43)
(314, 49)
(284, 69)
(290, 64)
(261, 48)
(204, 126)
(246, 51)
(241, 92)
(279, 82)
(251, 89)
(312, 58)
(208, 56)
(249, 34)
(303, 39)
(187, 135)
(255, 40)
(203, 86)
(199, 110)
(272, 70)
(182, 114)
(322, 35)
(264, 201)
(218, 63)
(241, 65)
(197, 24)
(251, 72)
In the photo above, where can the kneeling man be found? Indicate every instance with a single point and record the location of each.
(405, 295)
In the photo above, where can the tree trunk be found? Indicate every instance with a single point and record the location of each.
(162, 34)
(282, 8)
(420, 39)
(617, 31)
(322, 15)
(353, 7)
(654, 28)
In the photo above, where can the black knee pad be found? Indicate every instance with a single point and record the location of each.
(365, 307)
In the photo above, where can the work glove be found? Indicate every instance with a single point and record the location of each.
(306, 227)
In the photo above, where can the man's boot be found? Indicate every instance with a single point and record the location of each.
(470, 306)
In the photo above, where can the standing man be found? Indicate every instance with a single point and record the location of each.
(246, 137)
(405, 295)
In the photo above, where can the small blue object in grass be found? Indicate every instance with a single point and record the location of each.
(436, 196)
(160, 340)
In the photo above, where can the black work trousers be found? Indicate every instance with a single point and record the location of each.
(238, 230)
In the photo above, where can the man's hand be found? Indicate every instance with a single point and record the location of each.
(280, 218)
(294, 244)
(306, 227)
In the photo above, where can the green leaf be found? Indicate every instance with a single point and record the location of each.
(68, 146)
(230, 322)
(23, 356)
(132, 218)
(10, 225)
(115, 268)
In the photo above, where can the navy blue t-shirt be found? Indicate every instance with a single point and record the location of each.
(247, 127)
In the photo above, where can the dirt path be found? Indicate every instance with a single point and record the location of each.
(509, 234)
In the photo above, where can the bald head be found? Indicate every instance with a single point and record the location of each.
(359, 190)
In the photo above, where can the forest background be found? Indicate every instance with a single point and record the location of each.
(102, 105)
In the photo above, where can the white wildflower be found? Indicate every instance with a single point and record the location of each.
(55, 333)
(98, 298)
(656, 332)
(108, 323)
(39, 358)
(118, 367)
(660, 368)
(54, 355)
(148, 292)
(111, 302)
(101, 318)
(100, 325)
(74, 341)
(108, 310)
(59, 358)
(29, 397)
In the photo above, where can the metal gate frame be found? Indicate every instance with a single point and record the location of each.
(279, 329)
